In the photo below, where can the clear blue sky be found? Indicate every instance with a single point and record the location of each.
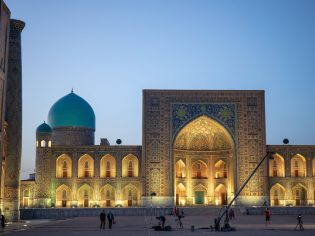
(108, 51)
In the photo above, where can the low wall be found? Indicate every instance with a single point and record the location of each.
(60, 213)
(278, 210)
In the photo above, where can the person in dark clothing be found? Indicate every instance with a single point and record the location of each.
(103, 220)
(2, 221)
(110, 218)
(162, 221)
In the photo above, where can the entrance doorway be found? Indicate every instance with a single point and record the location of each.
(199, 197)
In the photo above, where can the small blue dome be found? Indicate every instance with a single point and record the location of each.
(43, 128)
(71, 111)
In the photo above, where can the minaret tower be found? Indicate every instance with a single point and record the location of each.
(13, 116)
(43, 159)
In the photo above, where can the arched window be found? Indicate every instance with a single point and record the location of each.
(49, 143)
(298, 166)
(86, 169)
(276, 166)
(130, 169)
(85, 166)
(130, 166)
(64, 170)
(43, 143)
(107, 194)
(107, 169)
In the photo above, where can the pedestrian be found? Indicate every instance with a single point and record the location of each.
(231, 214)
(162, 220)
(267, 214)
(2, 222)
(103, 219)
(111, 219)
(182, 212)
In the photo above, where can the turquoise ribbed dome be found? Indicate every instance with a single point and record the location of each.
(43, 128)
(71, 111)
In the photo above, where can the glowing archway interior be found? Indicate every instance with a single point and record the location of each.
(203, 134)
(198, 147)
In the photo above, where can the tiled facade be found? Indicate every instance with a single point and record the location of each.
(198, 148)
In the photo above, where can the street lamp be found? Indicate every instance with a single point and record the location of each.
(227, 226)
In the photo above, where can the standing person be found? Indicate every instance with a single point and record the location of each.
(110, 218)
(103, 219)
(267, 214)
(2, 222)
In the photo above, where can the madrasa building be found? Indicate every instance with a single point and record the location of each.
(198, 147)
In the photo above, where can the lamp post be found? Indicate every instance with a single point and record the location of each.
(226, 226)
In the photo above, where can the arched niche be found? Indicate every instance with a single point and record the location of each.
(63, 166)
(86, 166)
(130, 166)
(108, 167)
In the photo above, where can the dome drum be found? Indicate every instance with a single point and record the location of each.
(73, 136)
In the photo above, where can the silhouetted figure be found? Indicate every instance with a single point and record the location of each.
(162, 221)
(103, 220)
(299, 223)
(110, 218)
(2, 222)
(267, 214)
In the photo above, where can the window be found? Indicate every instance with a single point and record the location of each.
(43, 143)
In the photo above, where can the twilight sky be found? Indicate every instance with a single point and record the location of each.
(108, 51)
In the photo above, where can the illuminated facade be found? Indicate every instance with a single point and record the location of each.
(198, 148)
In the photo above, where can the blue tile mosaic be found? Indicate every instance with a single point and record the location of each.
(183, 113)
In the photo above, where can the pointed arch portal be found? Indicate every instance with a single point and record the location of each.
(203, 153)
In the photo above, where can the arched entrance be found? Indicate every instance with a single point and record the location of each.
(203, 152)
(277, 195)
(299, 194)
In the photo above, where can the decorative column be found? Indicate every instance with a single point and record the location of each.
(14, 118)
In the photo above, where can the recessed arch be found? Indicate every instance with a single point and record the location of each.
(180, 169)
(298, 166)
(277, 166)
(108, 166)
(199, 170)
(200, 142)
(85, 195)
(63, 166)
(130, 166)
(130, 195)
(108, 195)
(221, 195)
(299, 194)
(277, 195)
(63, 196)
(220, 169)
(86, 166)
(180, 194)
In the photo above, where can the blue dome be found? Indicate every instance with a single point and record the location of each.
(43, 128)
(71, 111)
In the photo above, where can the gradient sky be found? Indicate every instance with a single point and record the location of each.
(108, 51)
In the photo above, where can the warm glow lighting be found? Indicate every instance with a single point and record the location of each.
(183, 202)
(216, 201)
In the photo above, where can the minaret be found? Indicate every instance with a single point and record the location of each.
(13, 115)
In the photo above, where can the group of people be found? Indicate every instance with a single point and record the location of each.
(110, 217)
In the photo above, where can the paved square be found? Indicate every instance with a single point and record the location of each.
(142, 225)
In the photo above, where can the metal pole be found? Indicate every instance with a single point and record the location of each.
(239, 191)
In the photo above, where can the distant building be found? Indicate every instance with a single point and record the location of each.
(198, 148)
(10, 112)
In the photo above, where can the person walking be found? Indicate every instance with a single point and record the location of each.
(110, 218)
(103, 219)
(267, 214)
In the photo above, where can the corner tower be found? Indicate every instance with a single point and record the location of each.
(43, 159)
(72, 120)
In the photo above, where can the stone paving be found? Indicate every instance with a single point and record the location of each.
(142, 225)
